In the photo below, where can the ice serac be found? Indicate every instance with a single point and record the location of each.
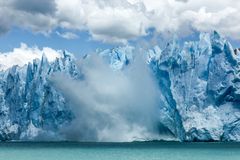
(203, 86)
(30, 107)
(118, 58)
(198, 83)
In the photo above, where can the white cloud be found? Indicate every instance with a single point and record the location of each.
(110, 21)
(122, 20)
(24, 54)
(67, 35)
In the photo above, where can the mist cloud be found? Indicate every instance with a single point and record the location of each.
(111, 105)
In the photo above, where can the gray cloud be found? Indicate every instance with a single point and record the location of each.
(182, 0)
(35, 6)
(29, 15)
(4, 27)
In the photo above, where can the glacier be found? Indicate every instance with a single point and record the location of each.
(198, 84)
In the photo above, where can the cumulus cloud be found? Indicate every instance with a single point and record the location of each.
(111, 105)
(24, 54)
(67, 35)
(122, 20)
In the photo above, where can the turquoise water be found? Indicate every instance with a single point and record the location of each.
(120, 151)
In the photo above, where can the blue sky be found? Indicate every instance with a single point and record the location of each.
(83, 44)
(79, 46)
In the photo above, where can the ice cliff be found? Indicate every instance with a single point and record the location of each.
(198, 83)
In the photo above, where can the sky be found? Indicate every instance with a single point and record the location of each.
(82, 26)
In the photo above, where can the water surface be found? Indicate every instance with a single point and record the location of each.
(119, 151)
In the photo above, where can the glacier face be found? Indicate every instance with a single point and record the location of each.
(198, 83)
(30, 106)
(203, 86)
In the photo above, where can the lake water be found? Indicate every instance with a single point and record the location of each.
(119, 151)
